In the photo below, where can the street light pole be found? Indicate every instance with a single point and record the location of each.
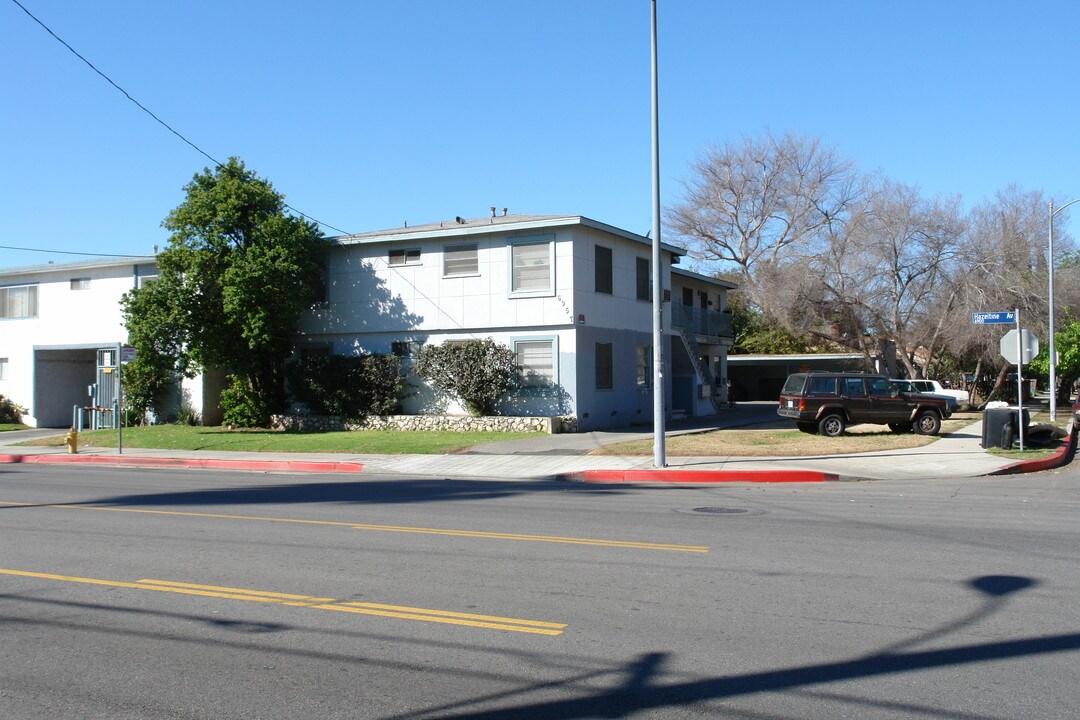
(1050, 291)
(659, 459)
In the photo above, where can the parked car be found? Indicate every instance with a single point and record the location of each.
(909, 386)
(828, 402)
(936, 388)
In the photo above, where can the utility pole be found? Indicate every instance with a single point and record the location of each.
(659, 459)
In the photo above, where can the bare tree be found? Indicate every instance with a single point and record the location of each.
(750, 203)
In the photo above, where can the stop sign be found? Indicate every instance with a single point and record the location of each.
(1029, 347)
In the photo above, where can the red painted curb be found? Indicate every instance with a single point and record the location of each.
(199, 463)
(698, 476)
(1062, 456)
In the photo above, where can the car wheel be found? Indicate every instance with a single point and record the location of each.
(928, 423)
(831, 426)
(807, 427)
(900, 427)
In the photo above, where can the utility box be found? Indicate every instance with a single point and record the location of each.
(1001, 427)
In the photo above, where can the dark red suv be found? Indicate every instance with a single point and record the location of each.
(827, 403)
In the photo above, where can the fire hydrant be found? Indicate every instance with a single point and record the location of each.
(72, 441)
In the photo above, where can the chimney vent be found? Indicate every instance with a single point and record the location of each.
(504, 212)
(459, 220)
(492, 211)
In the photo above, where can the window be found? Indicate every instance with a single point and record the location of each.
(19, 301)
(644, 285)
(852, 387)
(644, 366)
(703, 300)
(460, 260)
(530, 268)
(688, 297)
(80, 283)
(536, 358)
(822, 386)
(405, 348)
(604, 370)
(410, 256)
(880, 387)
(3, 368)
(602, 257)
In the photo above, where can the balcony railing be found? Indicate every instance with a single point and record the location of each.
(709, 323)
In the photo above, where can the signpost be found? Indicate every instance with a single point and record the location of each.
(1018, 347)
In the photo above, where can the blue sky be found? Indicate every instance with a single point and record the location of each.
(368, 114)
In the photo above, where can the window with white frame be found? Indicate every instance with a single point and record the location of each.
(644, 366)
(531, 267)
(605, 370)
(536, 358)
(80, 283)
(461, 260)
(3, 369)
(18, 301)
(405, 256)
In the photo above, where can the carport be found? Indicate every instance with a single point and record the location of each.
(760, 377)
(62, 375)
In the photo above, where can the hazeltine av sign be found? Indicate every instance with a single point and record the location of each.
(992, 318)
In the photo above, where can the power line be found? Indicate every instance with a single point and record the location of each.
(67, 252)
(201, 152)
(155, 117)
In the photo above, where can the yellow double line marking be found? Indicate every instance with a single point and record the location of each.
(630, 544)
(491, 622)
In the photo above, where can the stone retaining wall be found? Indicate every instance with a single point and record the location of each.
(460, 423)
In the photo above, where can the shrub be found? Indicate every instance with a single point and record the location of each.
(10, 413)
(478, 372)
(242, 406)
(352, 386)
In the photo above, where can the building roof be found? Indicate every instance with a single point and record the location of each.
(703, 278)
(750, 359)
(78, 265)
(500, 223)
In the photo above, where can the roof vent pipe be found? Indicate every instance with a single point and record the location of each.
(492, 211)
(504, 212)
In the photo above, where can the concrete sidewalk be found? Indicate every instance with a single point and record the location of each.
(563, 456)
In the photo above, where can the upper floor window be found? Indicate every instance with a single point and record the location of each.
(688, 297)
(19, 301)
(80, 283)
(408, 256)
(602, 258)
(531, 270)
(461, 260)
(644, 282)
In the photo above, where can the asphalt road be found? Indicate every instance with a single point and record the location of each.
(196, 594)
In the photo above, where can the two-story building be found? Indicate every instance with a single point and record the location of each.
(571, 296)
(54, 319)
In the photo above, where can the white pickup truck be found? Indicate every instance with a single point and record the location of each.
(933, 387)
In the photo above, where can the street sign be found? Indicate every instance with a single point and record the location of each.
(127, 354)
(993, 318)
(1029, 346)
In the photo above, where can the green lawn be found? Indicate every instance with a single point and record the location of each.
(4, 427)
(375, 442)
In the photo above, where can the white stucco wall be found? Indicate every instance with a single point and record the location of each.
(67, 320)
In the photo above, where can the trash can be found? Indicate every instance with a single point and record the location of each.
(1000, 427)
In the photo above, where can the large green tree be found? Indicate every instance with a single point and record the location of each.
(233, 279)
